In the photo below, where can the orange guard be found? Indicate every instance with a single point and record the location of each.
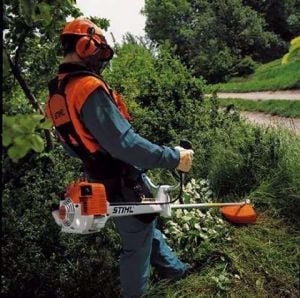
(239, 214)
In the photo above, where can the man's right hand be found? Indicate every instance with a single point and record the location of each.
(186, 157)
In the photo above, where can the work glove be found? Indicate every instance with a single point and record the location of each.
(186, 157)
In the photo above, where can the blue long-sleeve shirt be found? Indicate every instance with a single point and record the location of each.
(115, 135)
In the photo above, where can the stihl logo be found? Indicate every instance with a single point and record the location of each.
(59, 113)
(123, 210)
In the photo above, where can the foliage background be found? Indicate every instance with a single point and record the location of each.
(218, 39)
(165, 95)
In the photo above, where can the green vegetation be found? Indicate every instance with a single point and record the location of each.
(233, 161)
(285, 108)
(270, 76)
(220, 39)
(255, 261)
(294, 51)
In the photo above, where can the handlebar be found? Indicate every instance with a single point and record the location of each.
(186, 145)
(149, 183)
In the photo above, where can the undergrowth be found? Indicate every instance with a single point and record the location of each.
(259, 260)
(279, 192)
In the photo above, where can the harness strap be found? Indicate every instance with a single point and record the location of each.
(62, 119)
(98, 164)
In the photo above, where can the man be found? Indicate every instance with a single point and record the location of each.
(93, 123)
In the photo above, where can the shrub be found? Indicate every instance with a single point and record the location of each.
(159, 89)
(190, 232)
(294, 51)
(280, 191)
(241, 159)
(246, 66)
(37, 260)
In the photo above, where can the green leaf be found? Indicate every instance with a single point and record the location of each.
(47, 124)
(8, 121)
(16, 152)
(71, 2)
(37, 143)
(6, 138)
(23, 141)
(44, 14)
(37, 117)
(28, 123)
(17, 129)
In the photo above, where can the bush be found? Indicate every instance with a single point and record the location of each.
(280, 191)
(242, 159)
(191, 232)
(37, 260)
(294, 52)
(245, 67)
(159, 89)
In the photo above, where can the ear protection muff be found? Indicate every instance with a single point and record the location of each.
(89, 45)
(86, 47)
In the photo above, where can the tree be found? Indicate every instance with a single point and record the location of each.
(37, 261)
(282, 16)
(31, 56)
(212, 37)
(163, 95)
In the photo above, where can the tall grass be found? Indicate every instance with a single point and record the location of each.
(280, 191)
(263, 164)
(270, 76)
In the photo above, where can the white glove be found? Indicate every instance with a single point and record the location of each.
(186, 157)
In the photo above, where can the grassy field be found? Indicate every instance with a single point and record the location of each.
(270, 76)
(285, 108)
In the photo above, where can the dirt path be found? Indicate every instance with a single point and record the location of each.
(266, 95)
(269, 120)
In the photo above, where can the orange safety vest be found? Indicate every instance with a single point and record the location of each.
(77, 88)
(68, 93)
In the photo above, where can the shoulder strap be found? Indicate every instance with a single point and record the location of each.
(58, 101)
(71, 75)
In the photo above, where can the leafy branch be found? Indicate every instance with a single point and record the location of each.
(15, 68)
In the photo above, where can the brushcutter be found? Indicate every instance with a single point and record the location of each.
(85, 208)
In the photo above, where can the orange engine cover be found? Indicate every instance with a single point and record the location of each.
(91, 196)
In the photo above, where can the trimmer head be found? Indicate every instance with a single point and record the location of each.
(244, 214)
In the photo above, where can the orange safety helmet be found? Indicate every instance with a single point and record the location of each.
(92, 39)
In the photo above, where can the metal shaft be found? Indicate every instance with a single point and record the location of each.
(202, 205)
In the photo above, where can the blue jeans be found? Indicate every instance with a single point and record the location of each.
(143, 245)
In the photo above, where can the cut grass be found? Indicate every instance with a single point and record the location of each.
(270, 76)
(284, 108)
(262, 261)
